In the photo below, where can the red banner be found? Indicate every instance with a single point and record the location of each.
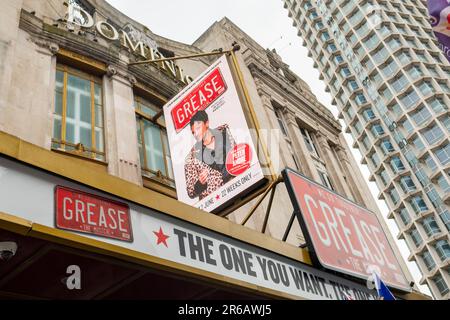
(199, 98)
(344, 236)
(83, 212)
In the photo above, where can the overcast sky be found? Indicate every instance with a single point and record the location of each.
(266, 22)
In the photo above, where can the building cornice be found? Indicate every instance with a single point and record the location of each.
(54, 38)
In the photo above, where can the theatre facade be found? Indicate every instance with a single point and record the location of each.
(88, 204)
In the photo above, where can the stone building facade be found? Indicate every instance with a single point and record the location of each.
(66, 86)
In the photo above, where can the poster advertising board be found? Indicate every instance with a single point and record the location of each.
(213, 156)
(344, 236)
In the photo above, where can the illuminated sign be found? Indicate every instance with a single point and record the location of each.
(344, 236)
(213, 156)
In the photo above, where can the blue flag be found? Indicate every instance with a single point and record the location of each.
(382, 289)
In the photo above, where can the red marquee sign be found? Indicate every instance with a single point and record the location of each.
(83, 212)
(344, 236)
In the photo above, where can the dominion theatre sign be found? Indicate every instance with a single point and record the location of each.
(131, 38)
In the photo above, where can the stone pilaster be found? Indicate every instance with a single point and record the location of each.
(120, 127)
(349, 170)
(307, 166)
(333, 169)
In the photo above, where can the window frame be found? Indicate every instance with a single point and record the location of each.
(141, 116)
(79, 149)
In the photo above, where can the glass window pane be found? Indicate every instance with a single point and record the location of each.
(57, 128)
(58, 102)
(433, 134)
(98, 94)
(59, 80)
(139, 132)
(99, 140)
(147, 110)
(79, 98)
(153, 147)
(71, 104)
(85, 108)
(85, 137)
(70, 132)
(98, 116)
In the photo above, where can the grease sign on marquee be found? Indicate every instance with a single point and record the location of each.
(344, 236)
(87, 213)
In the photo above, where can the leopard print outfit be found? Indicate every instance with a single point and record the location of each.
(193, 166)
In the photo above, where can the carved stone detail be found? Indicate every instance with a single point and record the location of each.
(132, 79)
(54, 48)
(111, 71)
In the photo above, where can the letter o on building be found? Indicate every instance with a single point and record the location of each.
(99, 26)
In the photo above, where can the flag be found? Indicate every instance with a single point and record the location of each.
(439, 11)
(382, 289)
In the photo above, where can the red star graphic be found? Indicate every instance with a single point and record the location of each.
(217, 197)
(161, 237)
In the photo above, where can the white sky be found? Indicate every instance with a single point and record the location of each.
(268, 24)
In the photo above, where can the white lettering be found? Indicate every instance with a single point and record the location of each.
(332, 224)
(79, 209)
(65, 210)
(126, 42)
(376, 231)
(74, 12)
(209, 91)
(90, 213)
(102, 218)
(111, 214)
(215, 84)
(323, 237)
(368, 233)
(99, 27)
(362, 241)
(120, 214)
(347, 233)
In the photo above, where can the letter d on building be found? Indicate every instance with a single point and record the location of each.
(79, 16)
(74, 279)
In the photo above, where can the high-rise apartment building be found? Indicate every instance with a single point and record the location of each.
(390, 81)
(86, 179)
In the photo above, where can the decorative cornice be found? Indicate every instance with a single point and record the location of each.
(53, 38)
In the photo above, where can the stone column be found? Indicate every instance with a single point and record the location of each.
(27, 81)
(301, 151)
(9, 29)
(349, 171)
(333, 168)
(121, 143)
(274, 138)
